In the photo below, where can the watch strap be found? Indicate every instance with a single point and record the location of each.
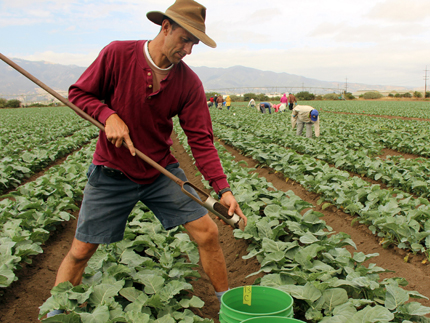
(221, 192)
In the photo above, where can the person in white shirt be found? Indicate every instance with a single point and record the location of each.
(305, 115)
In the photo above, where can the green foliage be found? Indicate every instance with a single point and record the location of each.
(349, 96)
(297, 251)
(354, 195)
(3, 102)
(236, 98)
(305, 95)
(143, 278)
(36, 208)
(248, 96)
(331, 96)
(391, 95)
(262, 97)
(428, 94)
(13, 103)
(256, 97)
(55, 132)
(407, 95)
(372, 95)
(418, 94)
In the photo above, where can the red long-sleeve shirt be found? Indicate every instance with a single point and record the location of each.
(122, 79)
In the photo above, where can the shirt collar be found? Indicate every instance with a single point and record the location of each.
(148, 56)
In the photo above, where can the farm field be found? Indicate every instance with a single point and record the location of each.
(362, 187)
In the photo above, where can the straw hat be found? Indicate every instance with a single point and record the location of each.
(188, 14)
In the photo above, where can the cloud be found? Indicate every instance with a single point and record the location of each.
(401, 11)
(366, 33)
(366, 40)
(237, 35)
(386, 65)
(264, 15)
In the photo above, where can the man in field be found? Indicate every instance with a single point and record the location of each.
(264, 106)
(135, 88)
(291, 99)
(305, 115)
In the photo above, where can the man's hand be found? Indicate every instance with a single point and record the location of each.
(227, 199)
(117, 133)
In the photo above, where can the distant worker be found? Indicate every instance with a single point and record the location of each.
(251, 103)
(291, 99)
(264, 106)
(219, 101)
(211, 101)
(276, 107)
(305, 114)
(284, 103)
(228, 102)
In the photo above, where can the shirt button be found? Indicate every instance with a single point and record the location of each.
(149, 73)
(149, 97)
(150, 85)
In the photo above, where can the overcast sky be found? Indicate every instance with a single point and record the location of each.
(383, 42)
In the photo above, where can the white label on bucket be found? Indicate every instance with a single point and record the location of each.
(247, 295)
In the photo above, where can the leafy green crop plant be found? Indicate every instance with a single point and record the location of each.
(301, 255)
(144, 278)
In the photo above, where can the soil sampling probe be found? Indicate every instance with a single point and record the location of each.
(209, 203)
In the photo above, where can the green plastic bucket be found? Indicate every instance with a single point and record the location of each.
(245, 302)
(272, 319)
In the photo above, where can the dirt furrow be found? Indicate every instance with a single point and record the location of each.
(20, 302)
(414, 271)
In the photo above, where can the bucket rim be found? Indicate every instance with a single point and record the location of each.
(258, 314)
(292, 319)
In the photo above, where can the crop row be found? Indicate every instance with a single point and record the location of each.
(407, 109)
(409, 175)
(393, 214)
(23, 129)
(356, 131)
(408, 136)
(140, 279)
(14, 169)
(30, 213)
(145, 278)
(301, 255)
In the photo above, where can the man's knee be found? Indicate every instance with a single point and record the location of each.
(81, 251)
(204, 231)
(211, 236)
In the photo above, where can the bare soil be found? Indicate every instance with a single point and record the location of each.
(21, 300)
(414, 270)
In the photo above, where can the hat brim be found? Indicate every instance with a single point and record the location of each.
(157, 17)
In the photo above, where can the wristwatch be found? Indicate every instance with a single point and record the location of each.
(221, 192)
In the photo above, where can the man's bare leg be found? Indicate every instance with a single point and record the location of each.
(73, 265)
(205, 232)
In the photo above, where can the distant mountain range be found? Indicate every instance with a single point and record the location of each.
(232, 80)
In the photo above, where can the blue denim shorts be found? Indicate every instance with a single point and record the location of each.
(108, 202)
